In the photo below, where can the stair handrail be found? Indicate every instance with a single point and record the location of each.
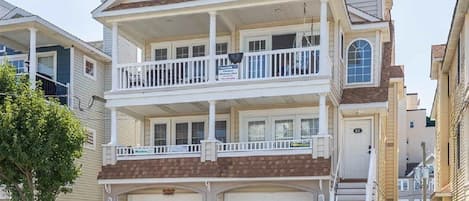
(336, 175)
(371, 176)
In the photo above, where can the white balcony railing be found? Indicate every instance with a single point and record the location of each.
(318, 146)
(126, 151)
(254, 66)
(264, 146)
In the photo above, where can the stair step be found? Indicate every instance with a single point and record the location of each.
(352, 185)
(351, 197)
(351, 191)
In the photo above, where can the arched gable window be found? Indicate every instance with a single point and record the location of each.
(359, 62)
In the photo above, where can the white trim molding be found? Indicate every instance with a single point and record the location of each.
(208, 179)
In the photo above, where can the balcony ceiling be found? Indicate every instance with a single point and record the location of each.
(198, 24)
(19, 39)
(224, 106)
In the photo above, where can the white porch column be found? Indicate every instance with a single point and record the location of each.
(323, 125)
(324, 68)
(113, 126)
(32, 57)
(213, 46)
(211, 121)
(115, 55)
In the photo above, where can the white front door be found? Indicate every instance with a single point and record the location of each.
(356, 148)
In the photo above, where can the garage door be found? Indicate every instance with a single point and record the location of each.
(159, 197)
(273, 196)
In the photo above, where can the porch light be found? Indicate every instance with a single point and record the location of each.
(236, 58)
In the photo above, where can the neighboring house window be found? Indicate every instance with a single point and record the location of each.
(458, 145)
(89, 67)
(3, 49)
(403, 184)
(90, 138)
(412, 124)
(417, 185)
(359, 62)
(46, 63)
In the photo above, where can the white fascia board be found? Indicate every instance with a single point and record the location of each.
(102, 13)
(216, 91)
(373, 26)
(378, 106)
(208, 179)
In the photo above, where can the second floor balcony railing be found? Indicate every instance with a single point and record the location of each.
(285, 63)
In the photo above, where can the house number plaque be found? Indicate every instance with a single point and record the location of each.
(357, 130)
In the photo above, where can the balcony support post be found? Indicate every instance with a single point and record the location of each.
(209, 146)
(324, 68)
(115, 55)
(323, 127)
(113, 127)
(213, 46)
(32, 57)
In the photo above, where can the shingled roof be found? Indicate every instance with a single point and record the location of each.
(140, 4)
(230, 167)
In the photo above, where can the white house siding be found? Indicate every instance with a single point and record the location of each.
(86, 187)
(369, 6)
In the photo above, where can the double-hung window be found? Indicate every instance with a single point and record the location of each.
(46, 65)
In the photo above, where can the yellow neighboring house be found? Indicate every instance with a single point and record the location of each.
(450, 68)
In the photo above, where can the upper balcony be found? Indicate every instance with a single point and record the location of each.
(186, 46)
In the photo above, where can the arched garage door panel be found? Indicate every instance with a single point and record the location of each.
(159, 197)
(271, 196)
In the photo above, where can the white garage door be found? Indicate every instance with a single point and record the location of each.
(159, 197)
(273, 196)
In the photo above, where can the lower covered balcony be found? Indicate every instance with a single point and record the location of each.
(274, 126)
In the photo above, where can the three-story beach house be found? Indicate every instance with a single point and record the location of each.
(249, 100)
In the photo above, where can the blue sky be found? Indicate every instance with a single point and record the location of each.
(419, 24)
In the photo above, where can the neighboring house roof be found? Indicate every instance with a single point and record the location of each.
(97, 44)
(122, 6)
(438, 51)
(233, 167)
(16, 17)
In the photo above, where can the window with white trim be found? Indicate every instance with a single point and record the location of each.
(3, 49)
(222, 48)
(161, 54)
(89, 67)
(46, 64)
(403, 184)
(359, 62)
(256, 130)
(90, 138)
(309, 127)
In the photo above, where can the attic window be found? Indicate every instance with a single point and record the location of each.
(89, 67)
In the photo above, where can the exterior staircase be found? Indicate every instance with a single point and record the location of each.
(351, 191)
